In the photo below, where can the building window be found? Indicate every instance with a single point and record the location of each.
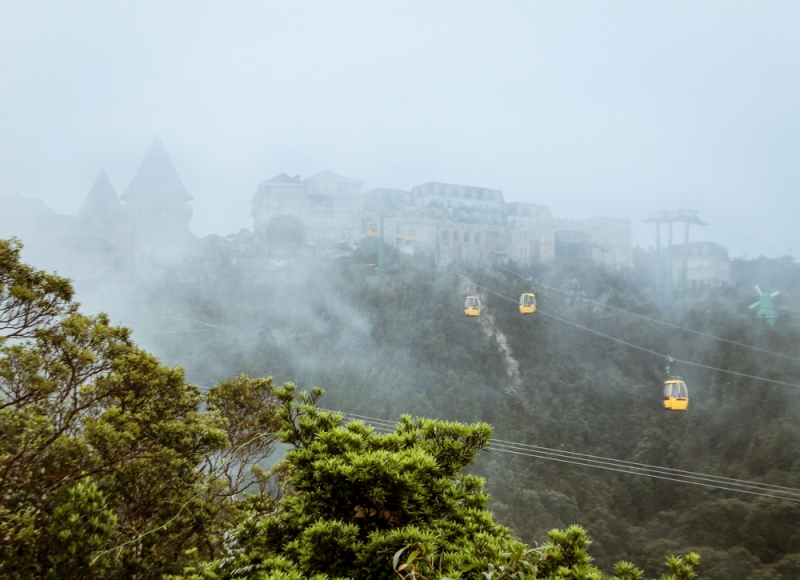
(455, 236)
(444, 235)
(466, 236)
(477, 238)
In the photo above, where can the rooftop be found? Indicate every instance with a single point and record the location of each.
(102, 201)
(156, 182)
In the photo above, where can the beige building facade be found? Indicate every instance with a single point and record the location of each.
(322, 207)
(147, 227)
(460, 222)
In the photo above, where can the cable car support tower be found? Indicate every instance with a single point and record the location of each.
(664, 268)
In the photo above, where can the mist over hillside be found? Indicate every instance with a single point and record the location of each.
(540, 257)
(402, 345)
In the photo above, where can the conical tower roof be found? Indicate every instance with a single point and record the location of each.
(156, 182)
(102, 201)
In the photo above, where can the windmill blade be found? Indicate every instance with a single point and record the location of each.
(755, 304)
(774, 294)
(760, 293)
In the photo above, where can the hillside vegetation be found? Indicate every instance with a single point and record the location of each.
(114, 466)
(404, 346)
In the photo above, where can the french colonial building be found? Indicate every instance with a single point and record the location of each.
(461, 222)
(147, 228)
(108, 237)
(695, 264)
(323, 207)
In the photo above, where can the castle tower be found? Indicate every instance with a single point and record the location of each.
(157, 205)
(101, 203)
(101, 216)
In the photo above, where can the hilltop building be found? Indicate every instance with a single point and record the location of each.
(461, 222)
(157, 205)
(108, 237)
(146, 229)
(321, 208)
(707, 264)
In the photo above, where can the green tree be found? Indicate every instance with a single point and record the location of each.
(108, 467)
(368, 505)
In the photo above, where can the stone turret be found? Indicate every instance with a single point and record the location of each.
(102, 203)
(157, 205)
(98, 242)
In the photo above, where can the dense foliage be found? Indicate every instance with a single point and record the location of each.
(363, 505)
(108, 467)
(113, 466)
(404, 346)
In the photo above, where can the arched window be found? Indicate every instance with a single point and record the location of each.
(455, 236)
(477, 238)
(445, 235)
(466, 236)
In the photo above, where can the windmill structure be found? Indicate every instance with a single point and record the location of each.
(765, 309)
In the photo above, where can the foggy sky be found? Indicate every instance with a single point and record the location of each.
(612, 109)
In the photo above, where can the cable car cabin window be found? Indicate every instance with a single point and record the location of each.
(676, 390)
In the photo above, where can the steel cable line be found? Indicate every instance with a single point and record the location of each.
(644, 466)
(647, 350)
(608, 464)
(599, 459)
(651, 475)
(387, 427)
(665, 323)
(732, 485)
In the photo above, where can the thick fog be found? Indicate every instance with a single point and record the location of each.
(594, 109)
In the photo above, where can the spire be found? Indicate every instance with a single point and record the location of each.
(156, 182)
(102, 200)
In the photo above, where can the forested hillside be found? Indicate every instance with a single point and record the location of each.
(403, 345)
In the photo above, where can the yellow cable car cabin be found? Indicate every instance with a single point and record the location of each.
(527, 303)
(311, 242)
(372, 230)
(472, 307)
(676, 396)
(342, 239)
(410, 235)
